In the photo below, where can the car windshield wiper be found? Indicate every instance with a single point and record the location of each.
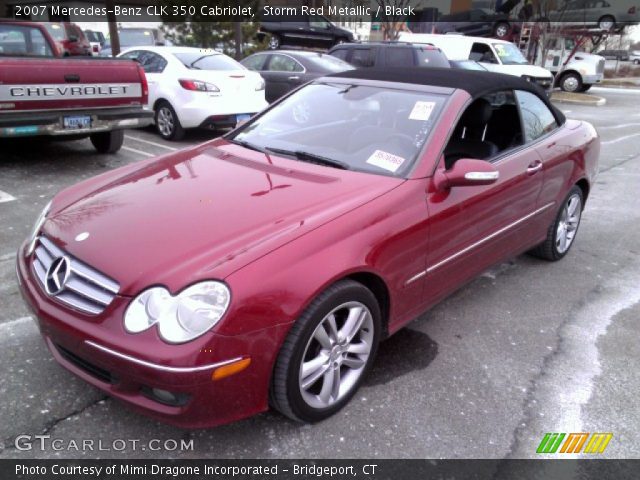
(311, 157)
(245, 144)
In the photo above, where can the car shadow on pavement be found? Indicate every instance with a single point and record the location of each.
(405, 352)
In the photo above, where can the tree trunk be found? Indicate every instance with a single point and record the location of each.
(114, 38)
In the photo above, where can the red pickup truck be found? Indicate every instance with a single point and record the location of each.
(42, 94)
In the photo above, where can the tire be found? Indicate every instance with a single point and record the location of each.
(585, 88)
(107, 142)
(274, 42)
(571, 82)
(348, 303)
(167, 122)
(636, 61)
(552, 248)
(607, 23)
(501, 30)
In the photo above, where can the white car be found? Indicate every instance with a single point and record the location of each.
(193, 87)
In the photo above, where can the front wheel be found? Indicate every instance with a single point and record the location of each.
(585, 88)
(563, 230)
(107, 142)
(327, 353)
(571, 82)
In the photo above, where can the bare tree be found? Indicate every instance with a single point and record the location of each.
(393, 16)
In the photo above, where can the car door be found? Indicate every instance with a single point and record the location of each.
(282, 73)
(542, 131)
(473, 227)
(320, 31)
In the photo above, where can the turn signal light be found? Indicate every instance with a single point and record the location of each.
(230, 369)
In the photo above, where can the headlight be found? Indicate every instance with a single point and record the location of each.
(527, 78)
(260, 85)
(182, 318)
(36, 228)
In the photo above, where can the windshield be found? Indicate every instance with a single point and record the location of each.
(202, 61)
(136, 38)
(357, 127)
(509, 54)
(330, 63)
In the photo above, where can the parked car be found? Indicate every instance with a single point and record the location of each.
(284, 70)
(495, 55)
(390, 55)
(269, 268)
(303, 31)
(622, 55)
(597, 13)
(477, 22)
(634, 56)
(70, 37)
(197, 88)
(96, 39)
(136, 37)
(44, 95)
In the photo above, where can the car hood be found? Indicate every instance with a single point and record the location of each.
(201, 213)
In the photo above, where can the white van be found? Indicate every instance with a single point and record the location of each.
(495, 55)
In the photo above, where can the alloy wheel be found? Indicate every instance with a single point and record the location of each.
(336, 355)
(165, 121)
(568, 224)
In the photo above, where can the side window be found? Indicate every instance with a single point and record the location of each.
(340, 53)
(316, 21)
(362, 57)
(282, 63)
(255, 62)
(152, 62)
(481, 52)
(489, 126)
(399, 57)
(132, 55)
(537, 119)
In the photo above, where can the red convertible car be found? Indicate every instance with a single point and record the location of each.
(264, 267)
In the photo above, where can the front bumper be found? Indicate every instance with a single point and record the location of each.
(48, 123)
(131, 367)
(592, 79)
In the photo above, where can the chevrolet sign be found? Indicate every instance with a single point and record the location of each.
(66, 91)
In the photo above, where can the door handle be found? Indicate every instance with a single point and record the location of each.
(534, 167)
(295, 77)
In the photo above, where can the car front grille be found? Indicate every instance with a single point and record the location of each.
(80, 286)
(600, 66)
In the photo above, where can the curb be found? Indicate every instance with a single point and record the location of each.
(579, 99)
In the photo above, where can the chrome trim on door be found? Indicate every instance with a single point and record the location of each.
(477, 244)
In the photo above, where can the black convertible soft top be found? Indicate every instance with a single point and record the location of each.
(476, 83)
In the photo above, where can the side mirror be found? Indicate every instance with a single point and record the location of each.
(466, 172)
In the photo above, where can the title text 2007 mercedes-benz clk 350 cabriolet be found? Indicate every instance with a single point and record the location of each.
(264, 267)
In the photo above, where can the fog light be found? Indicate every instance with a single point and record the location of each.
(165, 396)
(230, 369)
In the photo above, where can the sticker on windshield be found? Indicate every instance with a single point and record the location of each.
(385, 160)
(422, 110)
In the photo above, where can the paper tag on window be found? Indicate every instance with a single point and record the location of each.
(385, 160)
(422, 111)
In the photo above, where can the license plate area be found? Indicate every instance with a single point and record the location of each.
(76, 122)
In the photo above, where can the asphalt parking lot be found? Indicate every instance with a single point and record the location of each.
(529, 347)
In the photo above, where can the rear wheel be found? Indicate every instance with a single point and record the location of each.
(563, 230)
(107, 142)
(167, 122)
(274, 42)
(501, 30)
(327, 353)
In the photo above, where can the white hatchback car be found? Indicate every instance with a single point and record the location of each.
(193, 87)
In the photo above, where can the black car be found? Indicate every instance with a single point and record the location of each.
(313, 31)
(477, 22)
(390, 55)
(284, 70)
